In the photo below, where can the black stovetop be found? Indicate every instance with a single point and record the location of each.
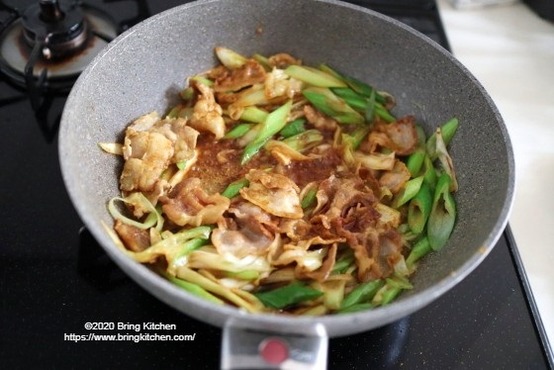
(54, 278)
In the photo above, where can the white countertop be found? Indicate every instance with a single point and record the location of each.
(510, 50)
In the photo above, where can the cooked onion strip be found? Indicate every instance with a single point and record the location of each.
(194, 277)
(112, 148)
(154, 219)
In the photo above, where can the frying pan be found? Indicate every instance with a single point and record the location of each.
(144, 68)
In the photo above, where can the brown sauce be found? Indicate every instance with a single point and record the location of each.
(219, 164)
(318, 169)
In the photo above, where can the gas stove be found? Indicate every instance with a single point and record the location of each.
(57, 286)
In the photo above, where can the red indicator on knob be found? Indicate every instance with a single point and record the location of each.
(274, 350)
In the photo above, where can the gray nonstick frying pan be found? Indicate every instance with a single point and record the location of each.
(144, 68)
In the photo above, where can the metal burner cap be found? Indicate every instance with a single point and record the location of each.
(61, 28)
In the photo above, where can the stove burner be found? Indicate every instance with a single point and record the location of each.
(62, 30)
(45, 47)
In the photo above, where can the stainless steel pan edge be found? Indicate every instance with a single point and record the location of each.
(144, 67)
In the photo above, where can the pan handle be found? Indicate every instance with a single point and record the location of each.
(246, 346)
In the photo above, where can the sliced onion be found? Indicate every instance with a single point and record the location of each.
(154, 218)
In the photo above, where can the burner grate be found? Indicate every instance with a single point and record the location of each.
(45, 47)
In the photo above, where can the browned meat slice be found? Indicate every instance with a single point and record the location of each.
(151, 144)
(390, 249)
(235, 79)
(274, 193)
(150, 154)
(396, 178)
(248, 231)
(189, 204)
(207, 115)
(134, 238)
(346, 207)
(400, 137)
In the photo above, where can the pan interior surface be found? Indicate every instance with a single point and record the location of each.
(145, 68)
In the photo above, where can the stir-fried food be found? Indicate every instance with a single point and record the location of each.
(279, 187)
